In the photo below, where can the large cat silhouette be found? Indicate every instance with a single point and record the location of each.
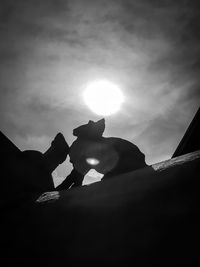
(107, 155)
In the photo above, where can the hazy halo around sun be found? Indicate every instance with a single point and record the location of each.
(103, 97)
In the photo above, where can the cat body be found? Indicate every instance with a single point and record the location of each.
(107, 155)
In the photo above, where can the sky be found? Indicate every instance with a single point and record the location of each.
(50, 50)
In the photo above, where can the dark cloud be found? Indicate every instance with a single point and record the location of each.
(11, 10)
(35, 19)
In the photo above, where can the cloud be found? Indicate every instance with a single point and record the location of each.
(33, 142)
(49, 50)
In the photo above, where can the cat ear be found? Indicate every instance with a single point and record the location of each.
(90, 122)
(58, 138)
(101, 125)
(60, 142)
(101, 121)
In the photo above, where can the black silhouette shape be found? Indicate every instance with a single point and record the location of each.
(74, 179)
(107, 155)
(28, 173)
(46, 163)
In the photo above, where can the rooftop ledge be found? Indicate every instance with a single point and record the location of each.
(127, 179)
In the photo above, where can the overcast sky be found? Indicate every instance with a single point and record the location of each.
(50, 50)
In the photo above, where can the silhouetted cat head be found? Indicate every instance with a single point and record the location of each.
(91, 130)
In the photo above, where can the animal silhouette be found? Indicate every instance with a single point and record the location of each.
(28, 173)
(107, 155)
(40, 166)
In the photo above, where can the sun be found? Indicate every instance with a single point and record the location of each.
(103, 97)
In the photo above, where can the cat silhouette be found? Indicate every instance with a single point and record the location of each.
(109, 156)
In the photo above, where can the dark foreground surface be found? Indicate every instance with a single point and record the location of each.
(149, 216)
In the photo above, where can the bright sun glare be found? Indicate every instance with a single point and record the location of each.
(103, 97)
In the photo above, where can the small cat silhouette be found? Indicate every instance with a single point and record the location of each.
(107, 155)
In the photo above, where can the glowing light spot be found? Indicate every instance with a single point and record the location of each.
(92, 161)
(103, 97)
